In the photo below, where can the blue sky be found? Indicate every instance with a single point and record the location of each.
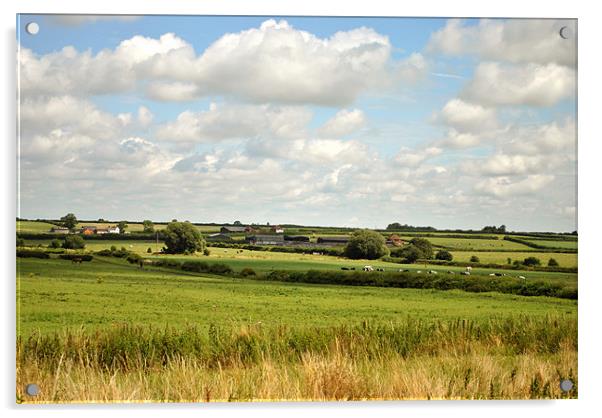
(324, 121)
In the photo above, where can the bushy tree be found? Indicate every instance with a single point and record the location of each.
(182, 238)
(444, 255)
(552, 262)
(122, 226)
(395, 226)
(474, 259)
(55, 243)
(531, 261)
(74, 242)
(411, 254)
(148, 226)
(69, 221)
(149, 250)
(366, 244)
(424, 246)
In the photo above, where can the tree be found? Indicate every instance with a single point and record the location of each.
(411, 254)
(149, 250)
(148, 226)
(182, 238)
(424, 246)
(55, 243)
(69, 221)
(552, 262)
(366, 244)
(509, 260)
(122, 227)
(531, 261)
(474, 259)
(444, 255)
(395, 226)
(74, 242)
(237, 223)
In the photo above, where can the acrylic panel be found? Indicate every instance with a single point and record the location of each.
(282, 208)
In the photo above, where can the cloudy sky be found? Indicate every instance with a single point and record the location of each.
(316, 121)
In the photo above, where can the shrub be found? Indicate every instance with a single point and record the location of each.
(220, 268)
(76, 257)
(474, 259)
(32, 254)
(20, 242)
(55, 243)
(113, 248)
(206, 251)
(411, 254)
(74, 242)
(134, 258)
(149, 250)
(195, 266)
(424, 246)
(531, 261)
(247, 271)
(552, 262)
(444, 255)
(182, 237)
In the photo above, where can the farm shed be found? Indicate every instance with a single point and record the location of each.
(59, 230)
(266, 239)
(333, 240)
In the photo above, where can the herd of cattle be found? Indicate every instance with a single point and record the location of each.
(466, 272)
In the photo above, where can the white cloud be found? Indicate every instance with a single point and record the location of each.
(530, 84)
(274, 62)
(458, 140)
(513, 40)
(467, 117)
(222, 122)
(343, 123)
(554, 138)
(504, 187)
(145, 116)
(413, 158)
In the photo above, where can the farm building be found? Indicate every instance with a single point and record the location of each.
(60, 230)
(298, 238)
(219, 237)
(277, 229)
(108, 230)
(266, 239)
(333, 240)
(88, 230)
(395, 240)
(235, 229)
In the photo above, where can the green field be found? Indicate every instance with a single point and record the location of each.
(564, 259)
(555, 243)
(54, 294)
(33, 227)
(474, 244)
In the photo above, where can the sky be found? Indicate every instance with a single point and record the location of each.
(356, 122)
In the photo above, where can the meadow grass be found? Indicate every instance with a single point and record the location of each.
(563, 259)
(518, 358)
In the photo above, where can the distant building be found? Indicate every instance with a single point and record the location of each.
(333, 240)
(102, 231)
(233, 229)
(277, 229)
(219, 237)
(88, 230)
(395, 240)
(60, 230)
(266, 239)
(113, 230)
(297, 238)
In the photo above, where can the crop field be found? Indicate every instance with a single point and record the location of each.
(33, 227)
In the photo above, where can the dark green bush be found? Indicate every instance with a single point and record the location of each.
(247, 271)
(32, 254)
(76, 257)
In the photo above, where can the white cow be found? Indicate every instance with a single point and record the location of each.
(368, 268)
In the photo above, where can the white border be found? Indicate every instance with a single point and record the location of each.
(589, 209)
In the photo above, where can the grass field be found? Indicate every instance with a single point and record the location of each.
(108, 330)
(555, 244)
(484, 346)
(475, 244)
(33, 227)
(564, 259)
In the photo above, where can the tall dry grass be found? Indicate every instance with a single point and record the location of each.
(517, 358)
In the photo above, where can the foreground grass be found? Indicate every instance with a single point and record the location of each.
(55, 294)
(517, 358)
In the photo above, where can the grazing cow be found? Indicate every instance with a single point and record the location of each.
(492, 274)
(77, 260)
(352, 268)
(466, 273)
(431, 272)
(368, 268)
(344, 268)
(522, 277)
(450, 272)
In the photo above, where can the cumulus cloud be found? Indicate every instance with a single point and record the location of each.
(274, 62)
(413, 158)
(503, 186)
(221, 122)
(145, 116)
(343, 123)
(467, 117)
(513, 40)
(530, 84)
(545, 139)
